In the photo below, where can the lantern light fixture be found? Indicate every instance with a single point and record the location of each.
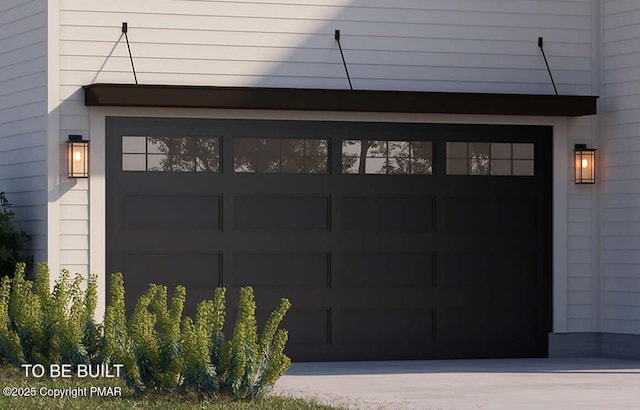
(77, 157)
(584, 164)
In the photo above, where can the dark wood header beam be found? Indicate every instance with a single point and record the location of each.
(258, 98)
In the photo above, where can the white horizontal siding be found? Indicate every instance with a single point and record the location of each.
(23, 109)
(439, 45)
(621, 170)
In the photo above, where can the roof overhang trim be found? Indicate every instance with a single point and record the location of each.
(262, 98)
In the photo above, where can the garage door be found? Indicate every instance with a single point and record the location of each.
(392, 240)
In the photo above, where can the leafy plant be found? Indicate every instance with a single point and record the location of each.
(117, 347)
(12, 240)
(158, 348)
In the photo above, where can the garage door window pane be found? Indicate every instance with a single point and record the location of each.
(134, 162)
(280, 155)
(523, 151)
(158, 162)
(479, 158)
(501, 167)
(490, 158)
(131, 145)
(292, 156)
(523, 167)
(500, 150)
(177, 154)
(316, 155)
(456, 167)
(268, 155)
(397, 157)
(207, 154)
(244, 154)
(183, 154)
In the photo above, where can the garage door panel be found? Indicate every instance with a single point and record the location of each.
(306, 327)
(386, 326)
(469, 214)
(295, 270)
(495, 270)
(383, 213)
(171, 212)
(485, 324)
(280, 212)
(387, 270)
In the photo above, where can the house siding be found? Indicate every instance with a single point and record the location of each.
(620, 107)
(23, 116)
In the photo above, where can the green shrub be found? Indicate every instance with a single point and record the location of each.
(158, 348)
(251, 366)
(201, 344)
(49, 327)
(12, 240)
(117, 347)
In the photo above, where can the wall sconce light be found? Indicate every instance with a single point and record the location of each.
(585, 164)
(78, 157)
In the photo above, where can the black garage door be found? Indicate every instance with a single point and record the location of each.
(392, 240)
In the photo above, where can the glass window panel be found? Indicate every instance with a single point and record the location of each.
(377, 149)
(399, 166)
(456, 167)
(158, 145)
(479, 149)
(268, 155)
(523, 151)
(183, 154)
(351, 148)
(421, 149)
(500, 167)
(316, 148)
(158, 162)
(244, 154)
(500, 150)
(375, 166)
(350, 165)
(351, 156)
(134, 162)
(134, 145)
(399, 149)
(316, 156)
(523, 167)
(208, 154)
(292, 156)
(457, 150)
(479, 165)
(479, 158)
(421, 166)
(292, 147)
(316, 165)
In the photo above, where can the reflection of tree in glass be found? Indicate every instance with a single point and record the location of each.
(184, 154)
(421, 157)
(479, 157)
(386, 157)
(158, 153)
(286, 155)
(268, 155)
(351, 156)
(244, 154)
(316, 154)
(207, 154)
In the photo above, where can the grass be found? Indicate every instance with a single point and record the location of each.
(15, 378)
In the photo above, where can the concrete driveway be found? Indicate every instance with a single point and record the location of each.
(514, 384)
